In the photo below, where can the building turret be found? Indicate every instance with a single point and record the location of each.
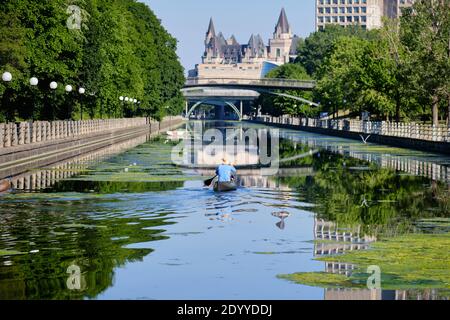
(232, 41)
(280, 45)
(211, 33)
(282, 29)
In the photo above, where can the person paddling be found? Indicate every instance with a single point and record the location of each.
(226, 172)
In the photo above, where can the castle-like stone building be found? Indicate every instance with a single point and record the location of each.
(226, 58)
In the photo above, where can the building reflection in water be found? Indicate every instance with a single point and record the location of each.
(332, 240)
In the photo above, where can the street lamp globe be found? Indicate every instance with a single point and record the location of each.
(7, 76)
(81, 91)
(126, 99)
(121, 98)
(135, 100)
(53, 85)
(68, 88)
(34, 81)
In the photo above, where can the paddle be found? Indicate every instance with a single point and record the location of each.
(209, 181)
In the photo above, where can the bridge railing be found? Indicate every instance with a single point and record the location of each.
(409, 130)
(282, 83)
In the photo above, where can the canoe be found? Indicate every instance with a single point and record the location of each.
(225, 186)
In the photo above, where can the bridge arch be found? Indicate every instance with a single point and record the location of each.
(230, 104)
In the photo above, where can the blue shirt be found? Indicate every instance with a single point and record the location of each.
(225, 172)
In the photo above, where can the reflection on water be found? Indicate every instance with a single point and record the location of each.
(43, 179)
(126, 223)
(412, 162)
(206, 144)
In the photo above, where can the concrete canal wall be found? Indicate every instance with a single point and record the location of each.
(26, 146)
(403, 135)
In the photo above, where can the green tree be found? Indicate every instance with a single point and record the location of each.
(120, 49)
(425, 32)
(278, 105)
(343, 75)
(319, 45)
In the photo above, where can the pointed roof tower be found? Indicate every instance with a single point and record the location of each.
(210, 34)
(283, 26)
(232, 41)
(211, 30)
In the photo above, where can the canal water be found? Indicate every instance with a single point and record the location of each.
(126, 223)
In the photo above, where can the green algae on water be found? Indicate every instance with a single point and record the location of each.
(6, 253)
(411, 261)
(320, 279)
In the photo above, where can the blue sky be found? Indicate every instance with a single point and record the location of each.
(187, 20)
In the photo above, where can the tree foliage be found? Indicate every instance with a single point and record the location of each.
(119, 48)
(278, 105)
(400, 71)
(425, 34)
(314, 49)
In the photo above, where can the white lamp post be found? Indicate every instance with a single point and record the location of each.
(81, 91)
(69, 89)
(7, 76)
(34, 81)
(53, 87)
